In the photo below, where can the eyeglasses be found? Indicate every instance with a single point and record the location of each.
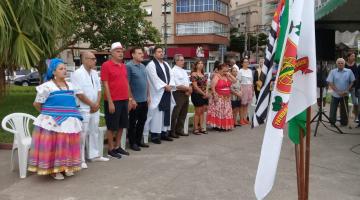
(93, 59)
(181, 60)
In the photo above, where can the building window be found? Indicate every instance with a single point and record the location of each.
(168, 31)
(184, 6)
(168, 9)
(208, 5)
(201, 28)
(148, 10)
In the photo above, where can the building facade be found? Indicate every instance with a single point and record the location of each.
(268, 10)
(195, 28)
(245, 15)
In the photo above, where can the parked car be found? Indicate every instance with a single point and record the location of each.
(30, 79)
(11, 76)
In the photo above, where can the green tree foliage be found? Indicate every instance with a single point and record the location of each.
(102, 22)
(28, 31)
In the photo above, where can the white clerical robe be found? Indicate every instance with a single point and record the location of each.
(155, 118)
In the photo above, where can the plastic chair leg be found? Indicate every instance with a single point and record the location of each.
(23, 156)
(101, 141)
(123, 139)
(186, 125)
(12, 163)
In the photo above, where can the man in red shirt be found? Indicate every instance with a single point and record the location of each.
(116, 98)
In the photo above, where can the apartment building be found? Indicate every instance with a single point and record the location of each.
(195, 28)
(245, 15)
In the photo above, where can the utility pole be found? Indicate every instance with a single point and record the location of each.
(165, 5)
(258, 28)
(247, 14)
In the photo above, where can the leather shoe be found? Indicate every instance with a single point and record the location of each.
(156, 141)
(135, 147)
(143, 145)
(174, 135)
(182, 134)
(166, 138)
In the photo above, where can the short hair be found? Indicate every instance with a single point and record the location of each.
(232, 60)
(177, 57)
(132, 50)
(340, 59)
(157, 47)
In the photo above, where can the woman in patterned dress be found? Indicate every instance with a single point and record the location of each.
(199, 96)
(55, 147)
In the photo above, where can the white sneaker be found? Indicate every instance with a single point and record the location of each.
(57, 176)
(69, 173)
(84, 165)
(100, 159)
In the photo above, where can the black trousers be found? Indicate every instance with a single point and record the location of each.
(344, 110)
(179, 113)
(137, 119)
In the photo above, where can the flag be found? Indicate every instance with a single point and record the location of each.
(303, 92)
(262, 103)
(286, 53)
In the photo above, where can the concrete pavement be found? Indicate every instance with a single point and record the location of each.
(214, 166)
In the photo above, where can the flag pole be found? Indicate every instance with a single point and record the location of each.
(301, 166)
(307, 153)
(297, 169)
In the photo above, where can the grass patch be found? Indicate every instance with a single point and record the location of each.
(17, 99)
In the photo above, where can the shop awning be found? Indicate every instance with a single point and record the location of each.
(341, 15)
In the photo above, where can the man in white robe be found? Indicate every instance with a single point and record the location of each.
(161, 83)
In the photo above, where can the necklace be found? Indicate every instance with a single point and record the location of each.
(58, 86)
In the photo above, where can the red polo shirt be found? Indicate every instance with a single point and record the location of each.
(116, 76)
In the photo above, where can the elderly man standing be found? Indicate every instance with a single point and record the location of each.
(340, 81)
(233, 64)
(87, 81)
(161, 83)
(181, 96)
(139, 88)
(117, 98)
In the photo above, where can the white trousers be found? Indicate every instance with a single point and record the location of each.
(155, 121)
(90, 136)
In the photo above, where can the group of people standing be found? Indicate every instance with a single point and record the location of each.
(150, 100)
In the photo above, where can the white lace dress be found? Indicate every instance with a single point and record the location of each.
(70, 125)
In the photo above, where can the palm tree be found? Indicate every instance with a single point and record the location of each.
(29, 31)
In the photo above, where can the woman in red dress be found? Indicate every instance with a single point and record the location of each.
(220, 112)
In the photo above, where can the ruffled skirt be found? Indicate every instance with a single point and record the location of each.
(220, 114)
(54, 152)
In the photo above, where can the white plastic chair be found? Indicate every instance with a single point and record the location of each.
(18, 124)
(102, 131)
(186, 124)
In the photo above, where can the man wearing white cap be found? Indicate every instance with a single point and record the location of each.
(117, 98)
(161, 83)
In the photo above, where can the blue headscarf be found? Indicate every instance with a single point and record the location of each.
(54, 63)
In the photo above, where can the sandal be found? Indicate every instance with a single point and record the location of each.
(57, 176)
(196, 132)
(203, 131)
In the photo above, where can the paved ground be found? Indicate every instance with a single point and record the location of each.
(214, 166)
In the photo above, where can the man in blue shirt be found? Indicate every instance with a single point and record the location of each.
(139, 88)
(340, 81)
